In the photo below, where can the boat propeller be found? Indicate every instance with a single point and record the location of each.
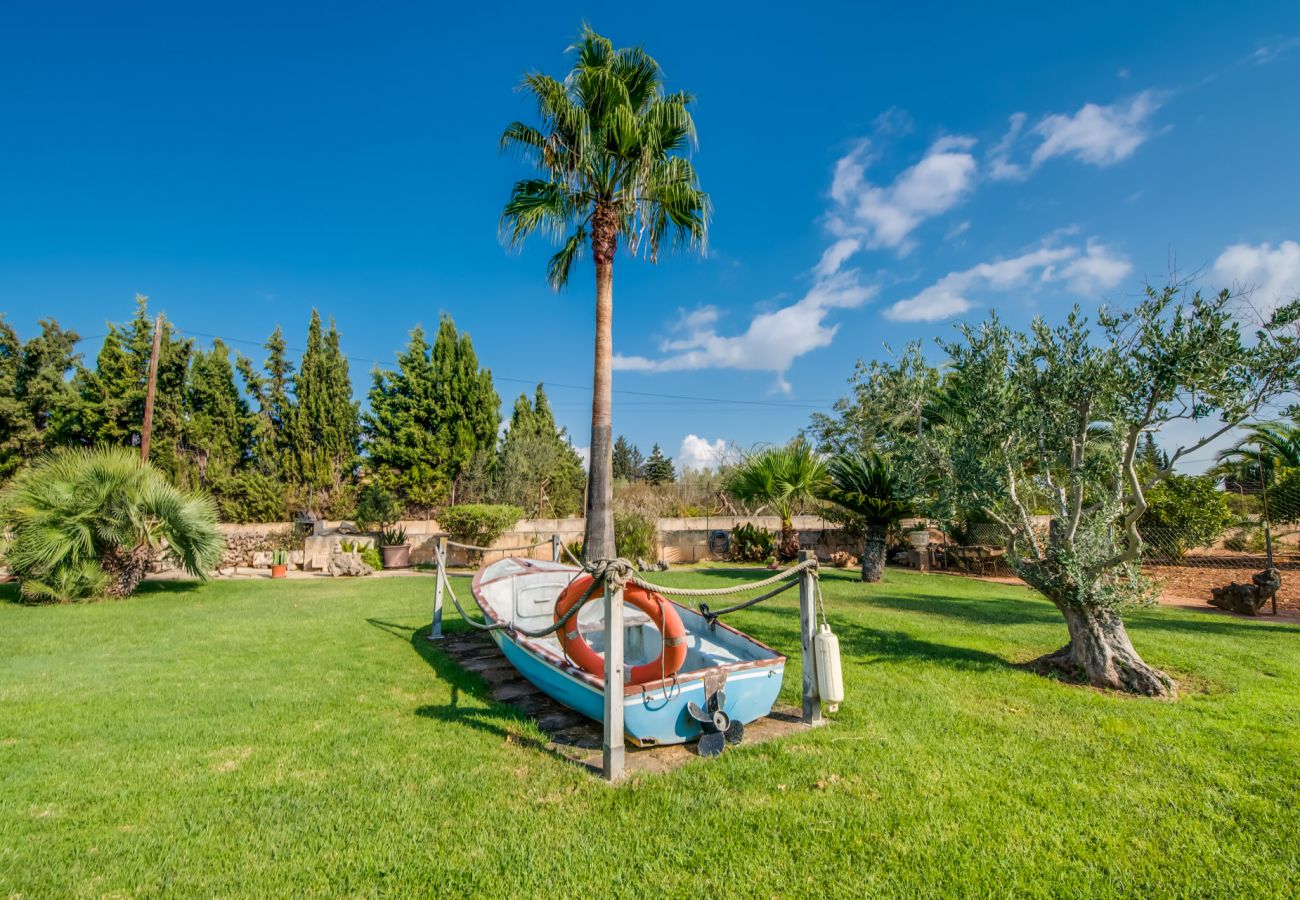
(718, 727)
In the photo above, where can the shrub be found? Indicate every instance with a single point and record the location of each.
(1183, 512)
(575, 551)
(635, 536)
(377, 507)
(252, 497)
(393, 537)
(1283, 497)
(479, 523)
(86, 523)
(749, 543)
(370, 556)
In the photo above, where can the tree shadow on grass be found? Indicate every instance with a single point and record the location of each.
(976, 611)
(871, 645)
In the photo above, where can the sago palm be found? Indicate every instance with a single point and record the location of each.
(781, 478)
(864, 485)
(609, 153)
(84, 523)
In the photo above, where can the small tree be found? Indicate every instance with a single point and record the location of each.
(782, 478)
(1183, 512)
(377, 508)
(1054, 418)
(629, 462)
(864, 486)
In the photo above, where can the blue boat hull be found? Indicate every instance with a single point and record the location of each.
(656, 715)
(521, 593)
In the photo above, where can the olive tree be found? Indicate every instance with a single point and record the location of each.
(1051, 420)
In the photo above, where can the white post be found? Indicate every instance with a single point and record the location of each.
(440, 556)
(613, 742)
(555, 548)
(812, 706)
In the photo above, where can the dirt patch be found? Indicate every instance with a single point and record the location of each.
(1190, 585)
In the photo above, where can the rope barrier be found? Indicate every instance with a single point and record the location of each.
(615, 573)
(497, 549)
(791, 572)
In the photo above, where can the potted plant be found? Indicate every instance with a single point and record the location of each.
(279, 563)
(393, 548)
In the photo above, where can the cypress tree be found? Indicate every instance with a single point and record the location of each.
(270, 390)
(36, 396)
(111, 397)
(217, 430)
(324, 427)
(539, 469)
(431, 418)
(659, 468)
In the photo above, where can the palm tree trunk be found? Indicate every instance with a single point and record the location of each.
(789, 544)
(873, 554)
(598, 536)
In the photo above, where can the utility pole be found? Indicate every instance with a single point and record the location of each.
(147, 431)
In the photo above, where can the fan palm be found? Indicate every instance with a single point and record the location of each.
(84, 523)
(781, 478)
(864, 485)
(609, 153)
(1266, 450)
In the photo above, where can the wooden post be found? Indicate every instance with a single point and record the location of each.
(613, 743)
(812, 706)
(440, 554)
(151, 387)
(555, 548)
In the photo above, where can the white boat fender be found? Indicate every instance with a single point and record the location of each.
(830, 677)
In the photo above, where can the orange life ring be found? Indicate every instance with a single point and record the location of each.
(660, 611)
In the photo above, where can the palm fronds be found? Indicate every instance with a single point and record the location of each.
(83, 523)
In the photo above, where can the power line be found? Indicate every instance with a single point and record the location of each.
(778, 404)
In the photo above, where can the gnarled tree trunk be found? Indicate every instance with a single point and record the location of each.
(1101, 654)
(873, 554)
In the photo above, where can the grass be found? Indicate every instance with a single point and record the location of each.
(257, 738)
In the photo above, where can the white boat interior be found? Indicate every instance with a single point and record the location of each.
(524, 592)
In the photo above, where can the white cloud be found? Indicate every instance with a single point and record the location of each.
(1085, 271)
(1099, 135)
(1272, 275)
(584, 453)
(1000, 166)
(1266, 53)
(773, 340)
(699, 453)
(885, 216)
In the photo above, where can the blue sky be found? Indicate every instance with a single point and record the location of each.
(876, 173)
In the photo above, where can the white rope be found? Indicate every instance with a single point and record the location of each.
(722, 592)
(498, 549)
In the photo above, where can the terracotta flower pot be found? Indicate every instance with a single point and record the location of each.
(397, 556)
(280, 571)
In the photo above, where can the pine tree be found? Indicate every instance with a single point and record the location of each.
(1150, 458)
(539, 469)
(218, 434)
(628, 460)
(431, 418)
(659, 468)
(323, 430)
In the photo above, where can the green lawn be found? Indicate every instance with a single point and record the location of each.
(271, 738)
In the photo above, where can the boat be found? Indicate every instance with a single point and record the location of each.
(724, 670)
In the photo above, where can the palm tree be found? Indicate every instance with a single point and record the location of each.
(1266, 450)
(608, 150)
(864, 485)
(782, 478)
(88, 522)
